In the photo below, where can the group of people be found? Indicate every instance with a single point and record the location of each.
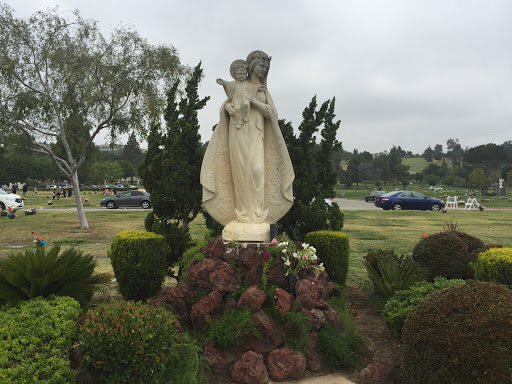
(61, 192)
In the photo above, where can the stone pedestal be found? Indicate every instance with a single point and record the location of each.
(246, 232)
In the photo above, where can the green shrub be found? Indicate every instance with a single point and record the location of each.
(41, 273)
(461, 335)
(35, 338)
(297, 330)
(177, 240)
(139, 263)
(404, 301)
(390, 273)
(494, 265)
(149, 221)
(444, 254)
(232, 328)
(127, 342)
(190, 255)
(339, 351)
(333, 251)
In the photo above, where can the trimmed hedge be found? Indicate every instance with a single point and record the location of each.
(139, 263)
(460, 335)
(494, 265)
(333, 251)
(396, 309)
(35, 338)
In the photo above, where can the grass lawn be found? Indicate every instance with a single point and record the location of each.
(366, 229)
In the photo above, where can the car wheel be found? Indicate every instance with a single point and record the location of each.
(145, 204)
(367, 200)
(436, 207)
(111, 205)
(397, 207)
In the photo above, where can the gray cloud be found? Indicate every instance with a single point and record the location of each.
(403, 73)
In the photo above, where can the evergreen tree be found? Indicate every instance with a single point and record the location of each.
(309, 212)
(171, 168)
(132, 154)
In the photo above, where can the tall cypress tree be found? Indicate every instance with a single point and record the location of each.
(172, 166)
(313, 180)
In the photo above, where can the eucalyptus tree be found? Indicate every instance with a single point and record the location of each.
(55, 64)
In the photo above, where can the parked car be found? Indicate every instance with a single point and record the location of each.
(4, 187)
(52, 186)
(372, 195)
(118, 186)
(92, 186)
(398, 200)
(10, 200)
(44, 186)
(128, 199)
(433, 188)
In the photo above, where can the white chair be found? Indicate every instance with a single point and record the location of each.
(471, 203)
(451, 202)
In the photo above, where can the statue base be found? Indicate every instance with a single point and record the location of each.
(246, 232)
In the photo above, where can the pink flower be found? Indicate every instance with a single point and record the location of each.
(305, 257)
(266, 256)
(274, 241)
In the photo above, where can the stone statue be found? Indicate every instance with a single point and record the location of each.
(501, 183)
(247, 174)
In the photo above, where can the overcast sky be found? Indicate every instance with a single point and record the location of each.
(404, 72)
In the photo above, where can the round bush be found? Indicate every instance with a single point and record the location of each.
(444, 254)
(460, 335)
(475, 245)
(495, 265)
(139, 263)
(126, 342)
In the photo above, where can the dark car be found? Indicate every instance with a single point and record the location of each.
(127, 199)
(372, 195)
(398, 200)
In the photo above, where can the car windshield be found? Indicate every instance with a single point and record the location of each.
(2, 192)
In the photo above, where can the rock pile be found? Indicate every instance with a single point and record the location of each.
(205, 297)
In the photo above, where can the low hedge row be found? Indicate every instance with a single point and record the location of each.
(35, 338)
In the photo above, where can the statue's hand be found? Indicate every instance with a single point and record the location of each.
(230, 109)
(220, 81)
(251, 98)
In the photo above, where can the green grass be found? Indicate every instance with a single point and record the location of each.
(41, 198)
(418, 164)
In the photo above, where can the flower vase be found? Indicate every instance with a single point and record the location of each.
(292, 281)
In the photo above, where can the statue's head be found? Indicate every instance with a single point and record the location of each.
(238, 70)
(257, 57)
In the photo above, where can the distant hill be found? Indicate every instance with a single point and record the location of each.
(418, 164)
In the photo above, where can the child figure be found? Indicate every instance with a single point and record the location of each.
(236, 91)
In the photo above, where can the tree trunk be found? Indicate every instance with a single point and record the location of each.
(78, 199)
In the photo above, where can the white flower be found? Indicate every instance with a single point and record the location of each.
(287, 263)
(314, 257)
(304, 245)
(283, 244)
(295, 255)
(313, 249)
(284, 251)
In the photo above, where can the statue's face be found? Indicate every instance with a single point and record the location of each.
(261, 68)
(241, 74)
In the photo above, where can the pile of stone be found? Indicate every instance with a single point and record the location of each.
(256, 359)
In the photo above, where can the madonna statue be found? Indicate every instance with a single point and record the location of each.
(247, 174)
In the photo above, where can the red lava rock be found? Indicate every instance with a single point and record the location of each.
(250, 369)
(216, 248)
(205, 309)
(378, 372)
(331, 317)
(276, 275)
(215, 359)
(284, 300)
(313, 356)
(178, 298)
(317, 317)
(215, 275)
(284, 364)
(250, 262)
(253, 298)
(311, 293)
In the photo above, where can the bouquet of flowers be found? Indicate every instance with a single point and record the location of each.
(30, 211)
(12, 213)
(295, 258)
(3, 212)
